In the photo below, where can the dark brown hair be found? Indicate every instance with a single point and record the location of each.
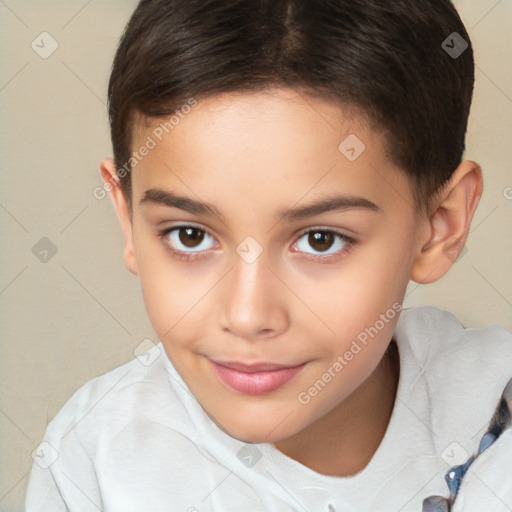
(383, 59)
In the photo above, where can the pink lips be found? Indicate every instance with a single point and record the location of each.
(255, 379)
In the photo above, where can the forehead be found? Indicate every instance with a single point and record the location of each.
(280, 143)
(249, 115)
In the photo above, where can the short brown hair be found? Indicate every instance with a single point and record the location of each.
(385, 59)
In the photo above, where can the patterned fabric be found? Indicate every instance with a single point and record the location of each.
(501, 420)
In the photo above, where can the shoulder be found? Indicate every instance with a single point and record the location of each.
(107, 403)
(132, 420)
(488, 483)
(463, 370)
(436, 334)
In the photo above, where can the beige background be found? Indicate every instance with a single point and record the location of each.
(81, 313)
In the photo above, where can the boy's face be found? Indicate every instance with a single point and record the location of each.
(256, 289)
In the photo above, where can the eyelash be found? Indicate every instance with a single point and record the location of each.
(189, 256)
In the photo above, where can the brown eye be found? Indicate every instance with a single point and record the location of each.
(187, 241)
(320, 240)
(323, 240)
(189, 237)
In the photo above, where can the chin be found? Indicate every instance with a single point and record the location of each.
(254, 433)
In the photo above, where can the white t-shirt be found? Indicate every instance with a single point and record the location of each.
(136, 439)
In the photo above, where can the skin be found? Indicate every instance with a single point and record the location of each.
(250, 155)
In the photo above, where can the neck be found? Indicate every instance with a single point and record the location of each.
(342, 442)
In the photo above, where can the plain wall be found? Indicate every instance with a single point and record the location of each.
(81, 313)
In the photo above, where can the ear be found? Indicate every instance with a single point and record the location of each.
(112, 184)
(449, 223)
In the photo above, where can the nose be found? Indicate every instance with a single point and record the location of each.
(253, 301)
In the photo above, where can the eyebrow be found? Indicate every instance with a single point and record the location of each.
(331, 203)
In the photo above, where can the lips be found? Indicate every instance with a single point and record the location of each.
(254, 379)
(252, 368)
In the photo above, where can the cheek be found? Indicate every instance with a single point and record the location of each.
(170, 304)
(360, 300)
(359, 293)
(170, 293)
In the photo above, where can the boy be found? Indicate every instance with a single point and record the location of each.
(246, 135)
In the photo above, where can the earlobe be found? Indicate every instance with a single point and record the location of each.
(112, 184)
(449, 223)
